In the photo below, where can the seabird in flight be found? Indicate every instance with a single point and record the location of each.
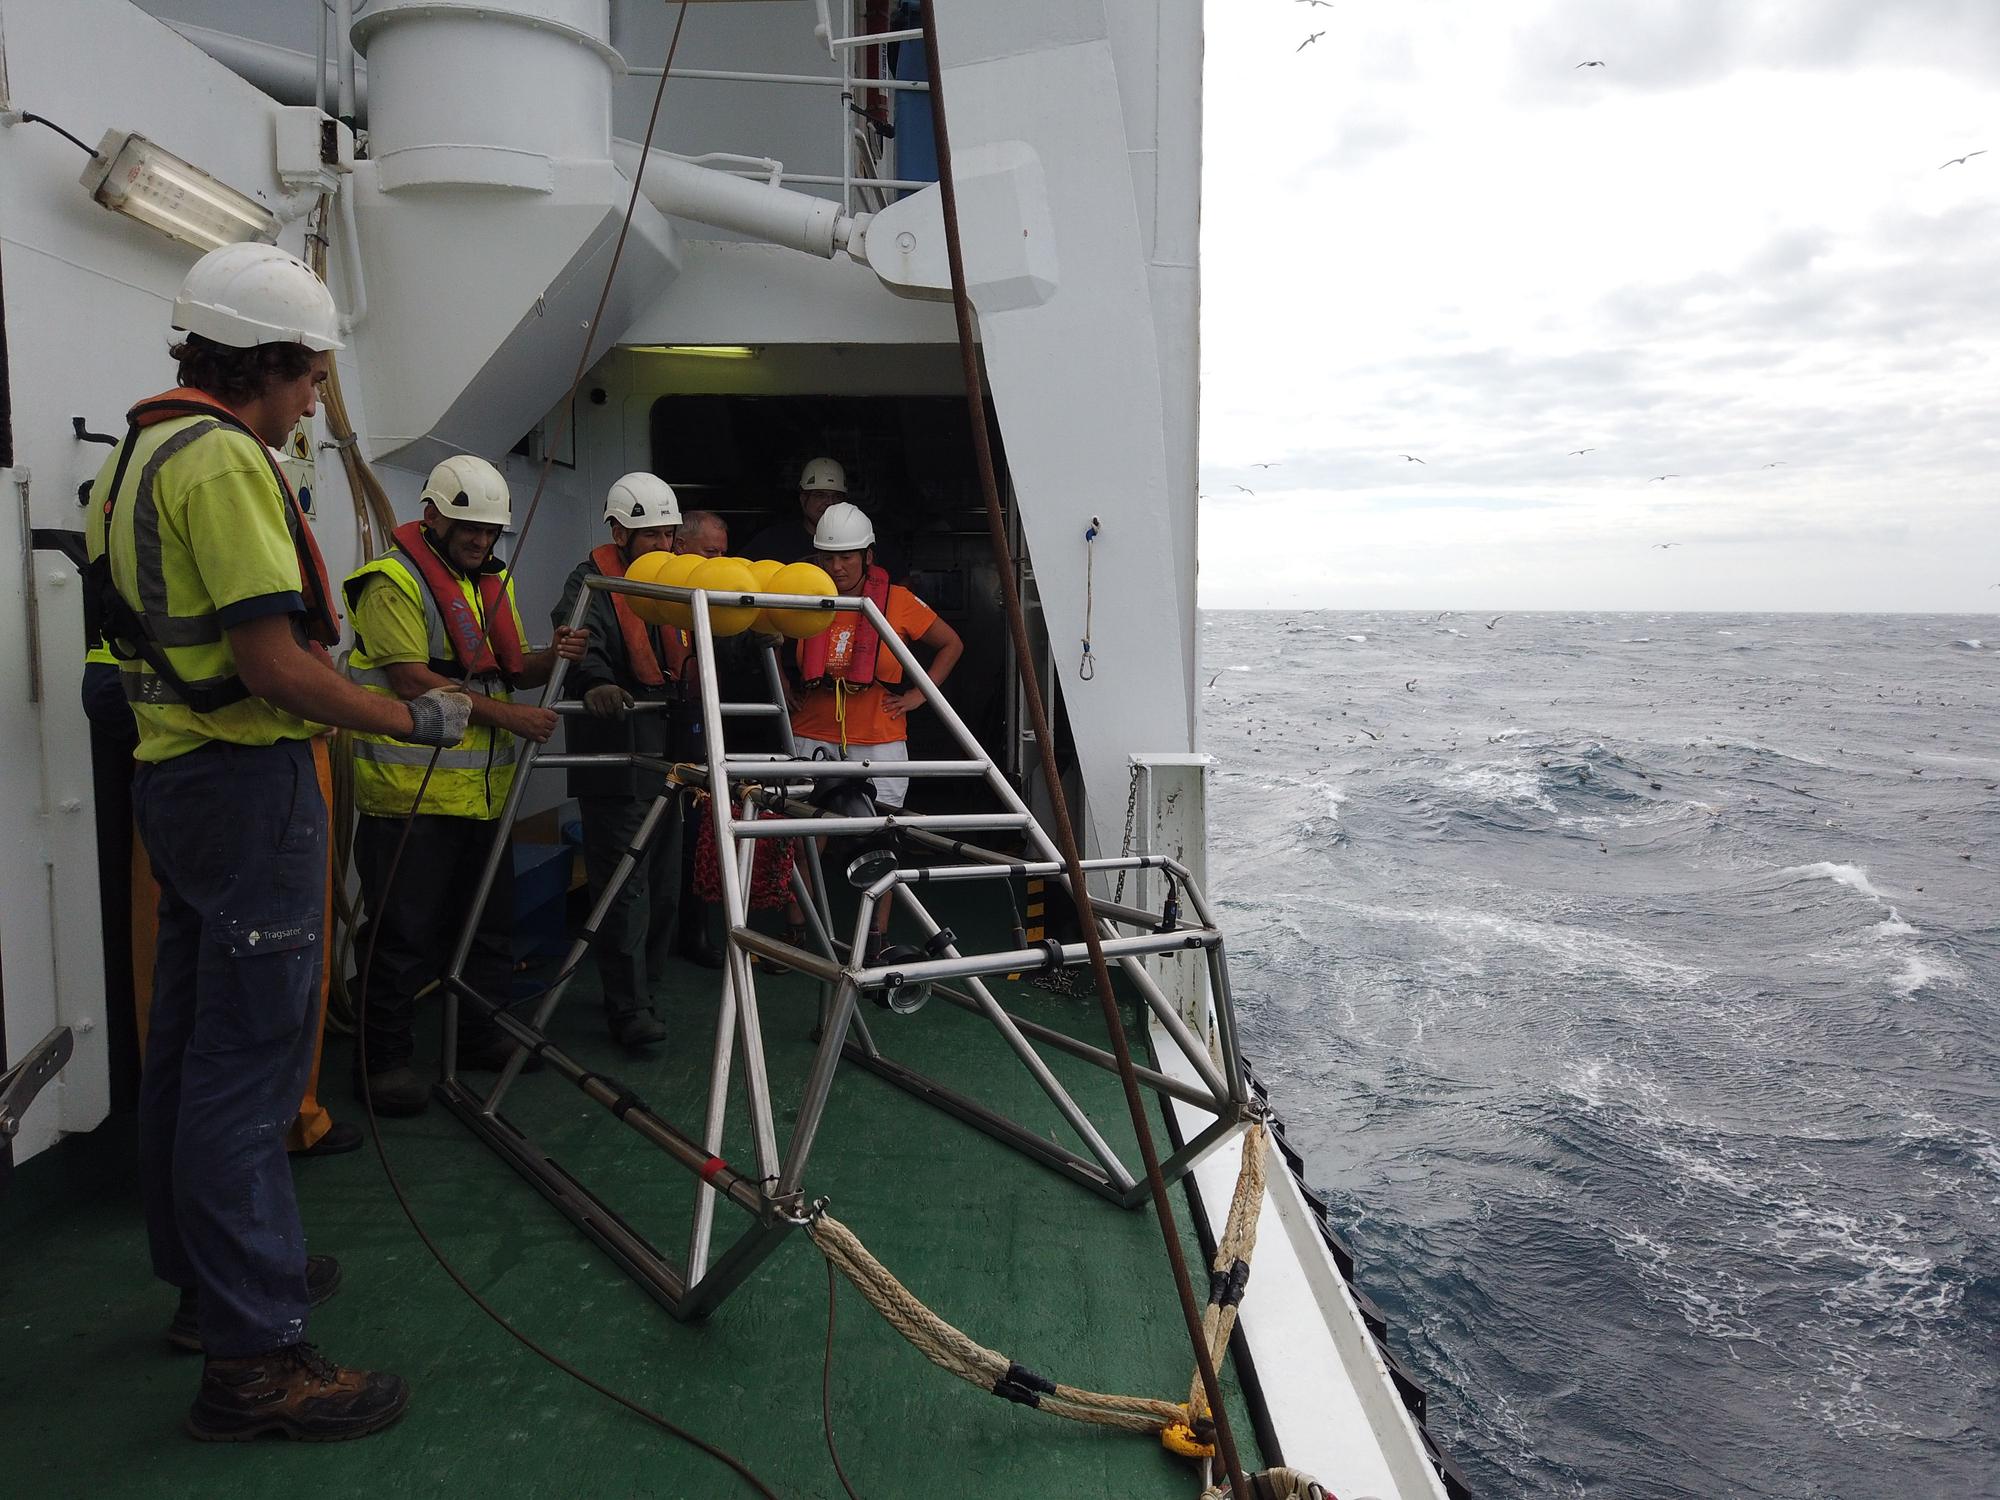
(1575, 451)
(1309, 41)
(1957, 161)
(1245, 488)
(1664, 545)
(1411, 458)
(1587, 65)
(1658, 477)
(1266, 466)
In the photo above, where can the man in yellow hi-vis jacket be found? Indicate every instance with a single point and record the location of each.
(438, 609)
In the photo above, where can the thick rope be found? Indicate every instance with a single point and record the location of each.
(1237, 1245)
(1276, 1484)
(958, 1354)
(1185, 1430)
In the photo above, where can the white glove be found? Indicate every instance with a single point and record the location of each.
(439, 717)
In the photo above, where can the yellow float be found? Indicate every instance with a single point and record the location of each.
(655, 567)
(764, 569)
(720, 577)
(801, 578)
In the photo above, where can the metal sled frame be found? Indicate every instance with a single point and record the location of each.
(753, 797)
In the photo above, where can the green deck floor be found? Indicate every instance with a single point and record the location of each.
(1024, 1261)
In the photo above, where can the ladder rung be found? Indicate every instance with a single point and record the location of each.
(813, 770)
(787, 828)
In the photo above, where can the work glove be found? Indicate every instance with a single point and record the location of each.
(607, 701)
(439, 717)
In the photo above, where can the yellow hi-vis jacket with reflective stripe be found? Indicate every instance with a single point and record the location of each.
(473, 777)
(199, 537)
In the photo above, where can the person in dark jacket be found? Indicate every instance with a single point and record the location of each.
(628, 680)
(789, 538)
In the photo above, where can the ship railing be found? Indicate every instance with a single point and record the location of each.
(861, 169)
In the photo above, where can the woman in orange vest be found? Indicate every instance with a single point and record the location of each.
(851, 703)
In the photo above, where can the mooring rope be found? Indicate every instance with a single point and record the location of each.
(958, 1354)
(1185, 1429)
(1274, 1484)
(1230, 1270)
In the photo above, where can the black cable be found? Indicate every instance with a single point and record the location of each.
(28, 119)
(826, 1384)
(672, 1429)
(720, 1455)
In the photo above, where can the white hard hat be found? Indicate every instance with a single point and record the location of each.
(823, 474)
(641, 501)
(245, 295)
(465, 488)
(843, 528)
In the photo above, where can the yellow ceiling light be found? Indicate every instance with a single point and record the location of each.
(132, 176)
(699, 351)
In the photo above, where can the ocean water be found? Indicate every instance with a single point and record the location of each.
(1630, 983)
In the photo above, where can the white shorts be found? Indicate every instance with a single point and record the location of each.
(890, 791)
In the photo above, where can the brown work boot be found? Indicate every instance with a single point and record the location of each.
(296, 1392)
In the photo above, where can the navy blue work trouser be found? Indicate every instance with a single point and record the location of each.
(413, 929)
(237, 838)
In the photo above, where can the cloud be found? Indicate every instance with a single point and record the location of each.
(1744, 271)
(1675, 45)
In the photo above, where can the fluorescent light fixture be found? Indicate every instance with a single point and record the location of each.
(132, 176)
(700, 351)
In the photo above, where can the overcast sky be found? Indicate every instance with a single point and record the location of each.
(1730, 247)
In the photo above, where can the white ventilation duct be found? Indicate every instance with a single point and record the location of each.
(743, 205)
(487, 211)
(488, 95)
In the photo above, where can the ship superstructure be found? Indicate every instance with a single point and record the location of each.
(464, 173)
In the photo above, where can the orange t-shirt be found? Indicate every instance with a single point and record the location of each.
(820, 713)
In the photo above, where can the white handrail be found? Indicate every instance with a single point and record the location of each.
(878, 38)
(817, 80)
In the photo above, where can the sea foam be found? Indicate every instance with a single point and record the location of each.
(1852, 876)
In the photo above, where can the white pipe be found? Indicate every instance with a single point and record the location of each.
(321, 15)
(772, 214)
(350, 258)
(343, 35)
(845, 138)
(285, 75)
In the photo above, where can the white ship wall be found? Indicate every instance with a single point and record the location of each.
(1086, 387)
(1078, 381)
(89, 295)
